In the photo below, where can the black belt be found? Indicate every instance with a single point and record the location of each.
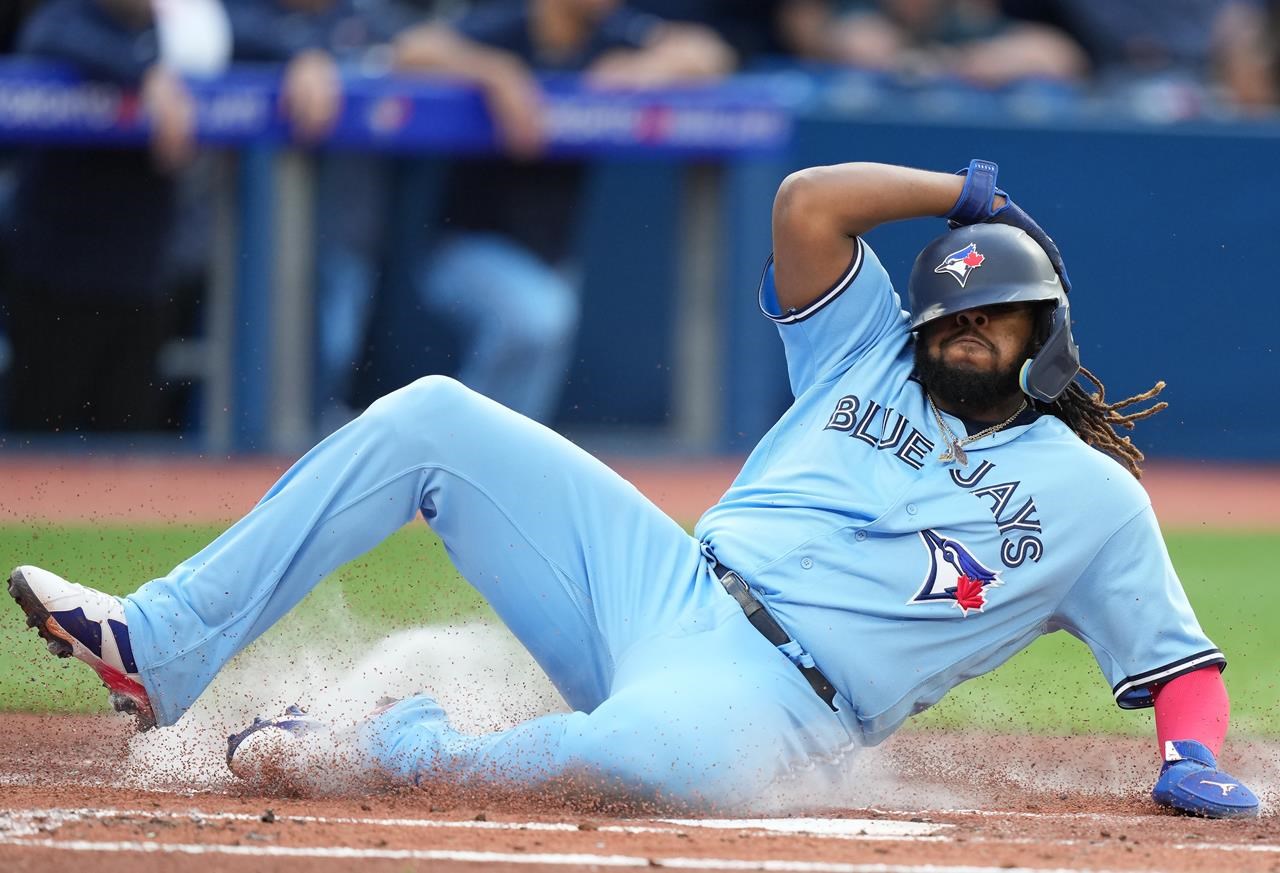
(768, 626)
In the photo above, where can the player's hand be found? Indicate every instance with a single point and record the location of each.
(1014, 215)
(311, 94)
(1191, 782)
(981, 202)
(171, 109)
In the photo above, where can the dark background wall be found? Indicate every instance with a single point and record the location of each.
(1168, 234)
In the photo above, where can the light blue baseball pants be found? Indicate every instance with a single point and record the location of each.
(675, 693)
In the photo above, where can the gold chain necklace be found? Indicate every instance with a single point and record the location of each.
(955, 447)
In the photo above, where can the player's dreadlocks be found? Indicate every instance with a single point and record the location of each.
(1095, 421)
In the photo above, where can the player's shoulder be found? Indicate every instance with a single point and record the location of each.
(1100, 479)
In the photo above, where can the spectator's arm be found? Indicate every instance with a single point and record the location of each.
(1245, 64)
(867, 39)
(311, 94)
(115, 40)
(802, 27)
(513, 97)
(173, 117)
(1024, 51)
(674, 53)
(310, 87)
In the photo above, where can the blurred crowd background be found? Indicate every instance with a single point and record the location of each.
(105, 252)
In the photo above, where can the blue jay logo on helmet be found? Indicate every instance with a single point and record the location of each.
(954, 575)
(960, 263)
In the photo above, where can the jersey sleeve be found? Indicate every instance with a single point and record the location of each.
(1130, 609)
(846, 321)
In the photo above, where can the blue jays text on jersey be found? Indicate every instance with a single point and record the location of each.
(909, 445)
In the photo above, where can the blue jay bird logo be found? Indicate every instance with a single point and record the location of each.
(961, 263)
(955, 575)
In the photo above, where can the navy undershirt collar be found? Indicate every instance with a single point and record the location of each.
(1026, 416)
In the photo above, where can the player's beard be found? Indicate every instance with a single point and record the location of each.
(974, 392)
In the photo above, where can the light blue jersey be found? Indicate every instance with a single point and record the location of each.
(902, 575)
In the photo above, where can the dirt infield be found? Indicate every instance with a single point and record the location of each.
(78, 788)
(928, 803)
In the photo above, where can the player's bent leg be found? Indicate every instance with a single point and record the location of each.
(571, 556)
(689, 727)
(556, 540)
(528, 518)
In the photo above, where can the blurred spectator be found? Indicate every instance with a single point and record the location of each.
(971, 39)
(1245, 53)
(12, 15)
(502, 270)
(750, 27)
(1197, 42)
(89, 298)
(316, 40)
(1271, 49)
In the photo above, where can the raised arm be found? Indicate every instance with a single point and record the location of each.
(818, 211)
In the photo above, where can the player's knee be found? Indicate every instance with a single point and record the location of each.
(420, 404)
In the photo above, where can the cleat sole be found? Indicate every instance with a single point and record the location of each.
(126, 694)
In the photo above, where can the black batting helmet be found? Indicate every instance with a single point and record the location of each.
(985, 264)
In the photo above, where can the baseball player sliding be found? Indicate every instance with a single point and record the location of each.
(941, 493)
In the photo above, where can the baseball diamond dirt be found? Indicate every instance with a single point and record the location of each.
(84, 788)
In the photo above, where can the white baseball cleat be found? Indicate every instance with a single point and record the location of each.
(86, 623)
(295, 754)
(299, 754)
(275, 753)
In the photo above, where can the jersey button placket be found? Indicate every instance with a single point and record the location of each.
(806, 563)
(860, 535)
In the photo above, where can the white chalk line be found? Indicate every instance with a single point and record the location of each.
(21, 822)
(18, 825)
(1134, 818)
(562, 860)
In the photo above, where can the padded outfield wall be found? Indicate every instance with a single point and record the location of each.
(1169, 233)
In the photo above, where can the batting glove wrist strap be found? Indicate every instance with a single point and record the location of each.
(974, 204)
(1191, 782)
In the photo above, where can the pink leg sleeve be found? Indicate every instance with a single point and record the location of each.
(1193, 706)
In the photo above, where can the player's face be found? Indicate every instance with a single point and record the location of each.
(970, 361)
(985, 339)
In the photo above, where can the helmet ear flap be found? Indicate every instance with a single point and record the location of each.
(1046, 375)
(1043, 322)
